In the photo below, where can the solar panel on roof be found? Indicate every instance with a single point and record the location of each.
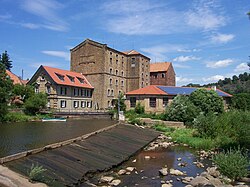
(177, 90)
(185, 90)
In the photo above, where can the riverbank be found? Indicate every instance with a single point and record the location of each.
(165, 163)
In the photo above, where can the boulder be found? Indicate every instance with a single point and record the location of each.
(176, 172)
(147, 157)
(130, 169)
(213, 171)
(187, 180)
(115, 182)
(200, 181)
(106, 179)
(166, 185)
(121, 172)
(163, 171)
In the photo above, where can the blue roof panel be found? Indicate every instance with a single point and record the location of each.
(171, 90)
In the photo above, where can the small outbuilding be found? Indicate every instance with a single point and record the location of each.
(155, 98)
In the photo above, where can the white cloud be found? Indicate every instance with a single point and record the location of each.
(205, 15)
(220, 63)
(159, 52)
(243, 67)
(60, 54)
(188, 50)
(183, 80)
(185, 58)
(222, 38)
(30, 25)
(214, 78)
(180, 66)
(47, 10)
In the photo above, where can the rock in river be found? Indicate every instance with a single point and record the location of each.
(163, 171)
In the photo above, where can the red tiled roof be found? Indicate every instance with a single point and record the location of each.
(14, 78)
(159, 66)
(65, 73)
(148, 90)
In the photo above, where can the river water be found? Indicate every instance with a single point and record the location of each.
(18, 137)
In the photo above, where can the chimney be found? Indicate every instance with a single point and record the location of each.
(213, 88)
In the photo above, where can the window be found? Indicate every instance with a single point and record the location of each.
(112, 92)
(108, 104)
(108, 92)
(48, 89)
(133, 62)
(116, 56)
(163, 75)
(42, 78)
(110, 60)
(83, 104)
(122, 62)
(122, 83)
(116, 72)
(76, 91)
(80, 80)
(36, 89)
(76, 104)
(142, 84)
(116, 61)
(132, 102)
(61, 77)
(110, 81)
(110, 71)
(110, 53)
(89, 104)
(165, 101)
(116, 82)
(152, 102)
(63, 91)
(122, 73)
(72, 79)
(155, 76)
(63, 104)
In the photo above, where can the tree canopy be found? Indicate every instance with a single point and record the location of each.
(5, 60)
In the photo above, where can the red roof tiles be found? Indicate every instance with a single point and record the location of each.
(14, 78)
(159, 66)
(67, 76)
(148, 90)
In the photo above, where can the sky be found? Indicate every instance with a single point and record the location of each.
(206, 40)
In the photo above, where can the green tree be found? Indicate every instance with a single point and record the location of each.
(5, 60)
(122, 103)
(24, 91)
(35, 103)
(241, 101)
(181, 109)
(5, 91)
(207, 101)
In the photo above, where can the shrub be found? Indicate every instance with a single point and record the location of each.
(241, 101)
(36, 173)
(35, 103)
(139, 108)
(16, 117)
(232, 163)
(181, 109)
(206, 125)
(163, 128)
(134, 121)
(207, 101)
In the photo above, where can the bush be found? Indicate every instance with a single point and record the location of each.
(206, 125)
(228, 129)
(139, 108)
(163, 128)
(16, 117)
(35, 103)
(181, 109)
(36, 173)
(207, 101)
(232, 163)
(135, 121)
(241, 101)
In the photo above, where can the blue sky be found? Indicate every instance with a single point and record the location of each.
(206, 40)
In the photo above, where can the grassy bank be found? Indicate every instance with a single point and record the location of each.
(22, 117)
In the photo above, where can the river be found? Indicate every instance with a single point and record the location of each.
(18, 137)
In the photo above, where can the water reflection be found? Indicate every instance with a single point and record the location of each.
(17, 137)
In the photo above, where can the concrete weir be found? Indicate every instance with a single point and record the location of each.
(70, 164)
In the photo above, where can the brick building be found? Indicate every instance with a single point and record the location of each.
(109, 71)
(67, 91)
(162, 73)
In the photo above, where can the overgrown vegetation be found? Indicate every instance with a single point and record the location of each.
(232, 163)
(241, 101)
(36, 173)
(35, 103)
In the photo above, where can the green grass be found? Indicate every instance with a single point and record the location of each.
(232, 163)
(21, 117)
